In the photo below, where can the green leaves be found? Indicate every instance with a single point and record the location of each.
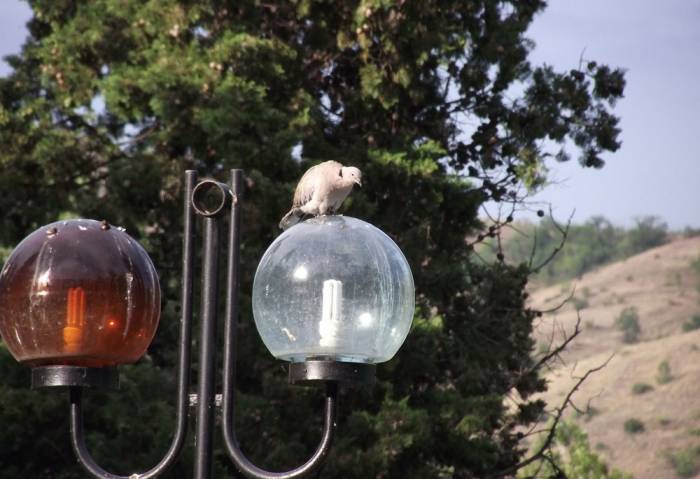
(372, 81)
(420, 160)
(574, 458)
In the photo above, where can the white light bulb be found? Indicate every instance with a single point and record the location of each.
(331, 311)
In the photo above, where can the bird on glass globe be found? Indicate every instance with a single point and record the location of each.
(321, 191)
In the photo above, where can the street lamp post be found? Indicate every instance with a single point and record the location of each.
(332, 295)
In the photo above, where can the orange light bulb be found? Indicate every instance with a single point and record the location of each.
(75, 320)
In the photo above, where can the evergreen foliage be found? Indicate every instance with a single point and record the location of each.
(111, 100)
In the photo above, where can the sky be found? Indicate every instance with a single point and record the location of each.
(657, 169)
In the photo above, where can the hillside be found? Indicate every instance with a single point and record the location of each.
(663, 287)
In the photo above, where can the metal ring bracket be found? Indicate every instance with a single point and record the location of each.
(211, 198)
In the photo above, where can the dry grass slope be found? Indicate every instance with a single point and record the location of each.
(663, 287)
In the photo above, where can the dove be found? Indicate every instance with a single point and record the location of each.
(321, 191)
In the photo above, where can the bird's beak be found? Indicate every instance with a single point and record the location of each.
(358, 183)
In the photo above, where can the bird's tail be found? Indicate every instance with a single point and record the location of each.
(291, 218)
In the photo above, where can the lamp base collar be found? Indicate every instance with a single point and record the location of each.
(52, 376)
(322, 369)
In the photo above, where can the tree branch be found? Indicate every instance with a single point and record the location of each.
(541, 453)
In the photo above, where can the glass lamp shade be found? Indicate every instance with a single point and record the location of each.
(81, 293)
(333, 287)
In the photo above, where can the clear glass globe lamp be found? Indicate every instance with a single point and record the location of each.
(333, 288)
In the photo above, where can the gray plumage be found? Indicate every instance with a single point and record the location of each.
(321, 191)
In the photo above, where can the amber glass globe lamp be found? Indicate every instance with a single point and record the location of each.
(78, 293)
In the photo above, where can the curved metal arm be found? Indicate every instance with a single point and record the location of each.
(86, 459)
(246, 467)
(252, 471)
(183, 369)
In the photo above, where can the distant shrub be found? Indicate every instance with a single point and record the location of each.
(663, 374)
(633, 426)
(628, 323)
(685, 462)
(674, 279)
(579, 303)
(695, 264)
(664, 421)
(694, 432)
(641, 388)
(692, 324)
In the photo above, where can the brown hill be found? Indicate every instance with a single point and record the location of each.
(664, 288)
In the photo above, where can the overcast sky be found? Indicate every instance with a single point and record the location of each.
(657, 170)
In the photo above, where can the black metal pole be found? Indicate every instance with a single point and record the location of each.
(207, 350)
(185, 342)
(232, 288)
(183, 370)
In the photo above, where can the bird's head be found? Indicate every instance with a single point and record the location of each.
(351, 176)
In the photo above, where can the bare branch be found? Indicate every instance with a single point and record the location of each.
(564, 234)
(562, 304)
(541, 453)
(581, 58)
(556, 352)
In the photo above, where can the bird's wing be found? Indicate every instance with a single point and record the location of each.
(312, 180)
(305, 188)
